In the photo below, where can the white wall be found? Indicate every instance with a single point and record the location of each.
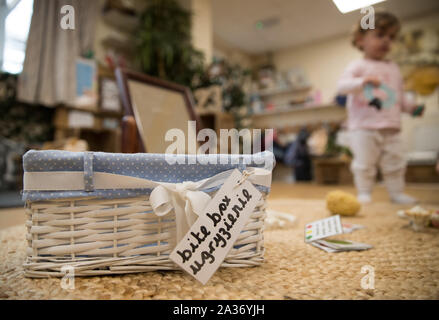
(202, 26)
(222, 49)
(422, 134)
(323, 62)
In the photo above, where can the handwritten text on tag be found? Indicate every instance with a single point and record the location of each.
(209, 240)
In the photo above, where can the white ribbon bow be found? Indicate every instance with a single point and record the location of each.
(186, 201)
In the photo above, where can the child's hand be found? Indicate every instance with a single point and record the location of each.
(371, 80)
(418, 111)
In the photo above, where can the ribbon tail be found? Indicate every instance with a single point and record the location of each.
(182, 226)
(196, 202)
(163, 202)
(160, 201)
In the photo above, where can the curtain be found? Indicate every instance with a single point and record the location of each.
(49, 69)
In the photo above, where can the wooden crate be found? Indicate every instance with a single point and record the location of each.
(332, 171)
(425, 173)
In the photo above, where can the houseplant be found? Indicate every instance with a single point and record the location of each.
(164, 43)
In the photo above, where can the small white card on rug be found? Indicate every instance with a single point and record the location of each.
(323, 228)
(209, 240)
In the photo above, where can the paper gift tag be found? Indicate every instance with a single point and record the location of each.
(323, 228)
(209, 240)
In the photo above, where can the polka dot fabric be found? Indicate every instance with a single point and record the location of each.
(141, 165)
(88, 171)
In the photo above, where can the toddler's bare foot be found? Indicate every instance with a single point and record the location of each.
(364, 198)
(402, 198)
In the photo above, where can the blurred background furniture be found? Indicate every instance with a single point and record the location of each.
(334, 170)
(150, 108)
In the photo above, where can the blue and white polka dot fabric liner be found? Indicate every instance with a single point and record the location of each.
(88, 171)
(141, 165)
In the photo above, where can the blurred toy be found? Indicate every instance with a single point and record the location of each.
(426, 217)
(419, 217)
(318, 141)
(424, 80)
(342, 203)
(278, 219)
(377, 102)
(435, 219)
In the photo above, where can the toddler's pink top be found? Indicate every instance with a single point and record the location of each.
(360, 114)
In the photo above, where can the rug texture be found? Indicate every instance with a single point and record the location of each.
(405, 265)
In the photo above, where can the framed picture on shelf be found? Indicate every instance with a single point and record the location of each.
(109, 95)
(86, 84)
(209, 99)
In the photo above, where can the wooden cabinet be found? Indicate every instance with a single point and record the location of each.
(101, 129)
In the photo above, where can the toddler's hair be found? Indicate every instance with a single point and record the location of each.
(383, 22)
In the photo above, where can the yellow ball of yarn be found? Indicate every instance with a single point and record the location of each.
(342, 203)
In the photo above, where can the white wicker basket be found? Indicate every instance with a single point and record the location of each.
(100, 235)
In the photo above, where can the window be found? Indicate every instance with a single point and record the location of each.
(14, 28)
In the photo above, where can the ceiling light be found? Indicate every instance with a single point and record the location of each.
(350, 5)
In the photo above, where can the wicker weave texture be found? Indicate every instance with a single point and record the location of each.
(116, 236)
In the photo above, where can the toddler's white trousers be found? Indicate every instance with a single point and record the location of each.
(373, 148)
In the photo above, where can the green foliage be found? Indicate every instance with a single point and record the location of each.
(231, 78)
(164, 43)
(332, 148)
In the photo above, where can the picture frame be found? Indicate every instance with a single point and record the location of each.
(150, 105)
(86, 83)
(109, 95)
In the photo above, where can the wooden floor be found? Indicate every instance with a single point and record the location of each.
(425, 193)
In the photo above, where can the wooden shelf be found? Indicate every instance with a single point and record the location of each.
(277, 91)
(299, 116)
(203, 112)
(121, 21)
(98, 137)
(125, 46)
(96, 111)
(297, 109)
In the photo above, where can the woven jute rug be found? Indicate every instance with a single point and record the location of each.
(405, 264)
